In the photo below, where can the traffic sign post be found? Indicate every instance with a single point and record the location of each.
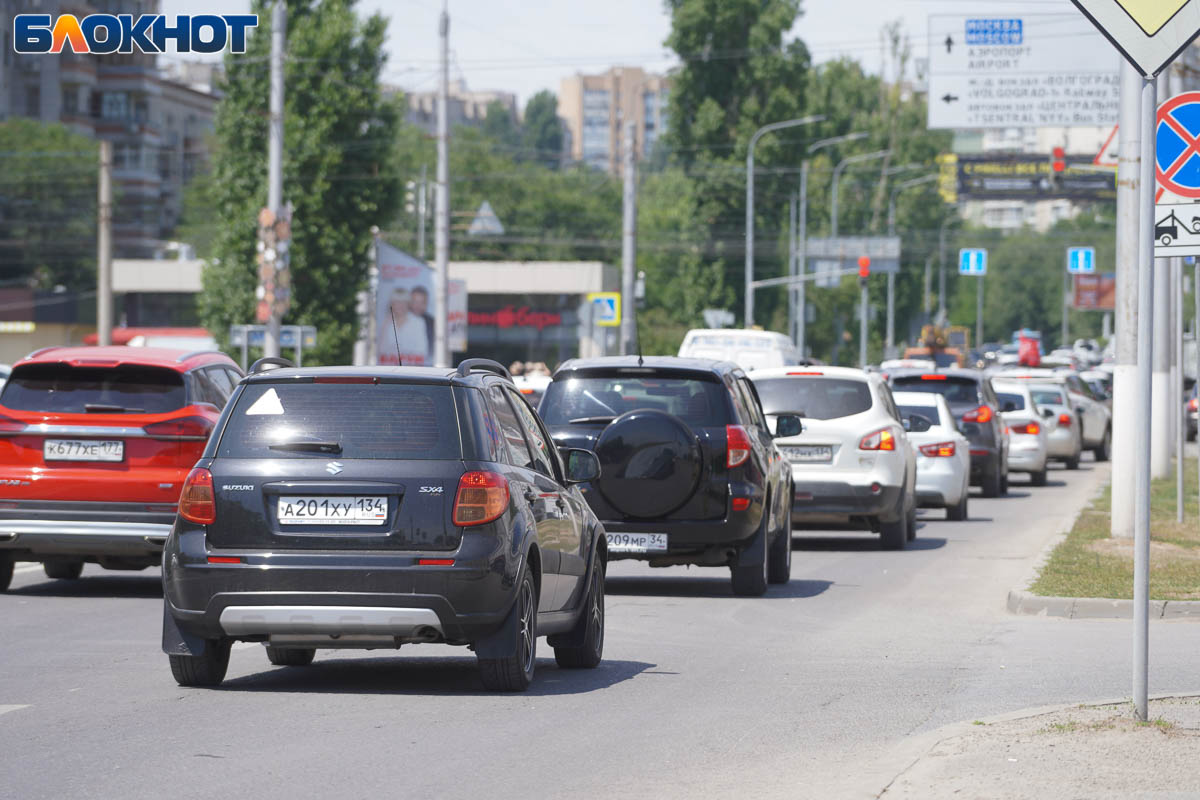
(1019, 70)
(1080, 261)
(973, 261)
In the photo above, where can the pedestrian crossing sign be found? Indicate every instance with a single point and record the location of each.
(606, 308)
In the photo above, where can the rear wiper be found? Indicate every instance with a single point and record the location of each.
(591, 420)
(332, 448)
(105, 408)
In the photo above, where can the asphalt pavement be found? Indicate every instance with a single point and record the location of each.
(823, 688)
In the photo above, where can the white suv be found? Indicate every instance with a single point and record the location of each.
(853, 461)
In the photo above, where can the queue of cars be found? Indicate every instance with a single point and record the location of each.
(375, 507)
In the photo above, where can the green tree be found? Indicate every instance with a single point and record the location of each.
(48, 205)
(500, 126)
(339, 146)
(541, 133)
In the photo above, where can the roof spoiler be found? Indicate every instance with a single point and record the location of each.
(263, 363)
(485, 364)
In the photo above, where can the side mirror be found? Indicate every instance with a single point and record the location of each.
(917, 423)
(582, 465)
(788, 425)
(1047, 413)
(1009, 405)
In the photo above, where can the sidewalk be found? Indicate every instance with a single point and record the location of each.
(1070, 752)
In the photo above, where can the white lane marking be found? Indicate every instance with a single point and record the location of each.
(6, 709)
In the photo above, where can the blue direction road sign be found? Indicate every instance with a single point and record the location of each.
(972, 261)
(1081, 260)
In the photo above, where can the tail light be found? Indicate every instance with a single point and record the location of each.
(737, 446)
(882, 439)
(191, 429)
(933, 377)
(1031, 429)
(940, 449)
(1192, 405)
(10, 425)
(981, 414)
(482, 497)
(196, 501)
(1064, 420)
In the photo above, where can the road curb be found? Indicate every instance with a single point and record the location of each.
(1022, 602)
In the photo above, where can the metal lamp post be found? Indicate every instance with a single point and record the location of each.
(774, 126)
(837, 175)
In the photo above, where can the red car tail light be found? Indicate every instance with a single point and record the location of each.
(482, 497)
(1064, 420)
(741, 503)
(942, 449)
(190, 429)
(817, 374)
(737, 446)
(10, 425)
(1193, 405)
(1032, 429)
(933, 377)
(196, 502)
(882, 439)
(981, 414)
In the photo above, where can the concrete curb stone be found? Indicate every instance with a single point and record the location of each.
(1025, 603)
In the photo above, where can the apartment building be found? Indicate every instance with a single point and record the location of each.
(595, 108)
(157, 121)
(466, 107)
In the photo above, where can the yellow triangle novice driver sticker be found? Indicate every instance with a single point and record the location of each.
(1151, 15)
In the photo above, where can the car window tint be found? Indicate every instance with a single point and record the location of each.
(510, 428)
(1004, 398)
(383, 421)
(956, 391)
(756, 414)
(1047, 397)
(541, 445)
(65, 389)
(206, 389)
(697, 402)
(928, 412)
(813, 397)
(221, 378)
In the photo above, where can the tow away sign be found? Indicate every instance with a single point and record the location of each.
(1020, 70)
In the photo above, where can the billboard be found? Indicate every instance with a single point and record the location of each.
(1095, 292)
(404, 310)
(1021, 177)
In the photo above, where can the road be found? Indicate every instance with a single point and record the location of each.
(816, 690)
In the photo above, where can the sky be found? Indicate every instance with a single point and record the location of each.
(531, 45)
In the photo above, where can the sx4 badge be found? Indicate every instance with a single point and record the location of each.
(122, 33)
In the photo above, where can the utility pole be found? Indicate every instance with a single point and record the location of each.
(864, 310)
(979, 311)
(1124, 421)
(275, 155)
(441, 292)
(792, 262)
(629, 242)
(1066, 331)
(104, 306)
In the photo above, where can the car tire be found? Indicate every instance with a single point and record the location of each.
(958, 513)
(750, 580)
(912, 524)
(206, 670)
(291, 656)
(1038, 478)
(894, 535)
(1004, 483)
(779, 566)
(583, 647)
(1103, 450)
(991, 484)
(1072, 462)
(514, 673)
(6, 571)
(63, 569)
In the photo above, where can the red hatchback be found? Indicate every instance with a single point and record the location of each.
(95, 443)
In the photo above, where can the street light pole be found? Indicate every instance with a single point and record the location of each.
(837, 174)
(774, 126)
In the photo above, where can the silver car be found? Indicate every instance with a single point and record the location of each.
(1064, 436)
(943, 453)
(1027, 447)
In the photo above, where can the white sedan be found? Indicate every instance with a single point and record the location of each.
(1027, 426)
(853, 461)
(943, 453)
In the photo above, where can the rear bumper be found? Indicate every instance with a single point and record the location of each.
(939, 482)
(320, 593)
(699, 541)
(1062, 443)
(105, 530)
(984, 461)
(821, 500)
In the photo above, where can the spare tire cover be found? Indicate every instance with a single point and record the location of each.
(650, 463)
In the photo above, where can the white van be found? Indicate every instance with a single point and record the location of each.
(748, 349)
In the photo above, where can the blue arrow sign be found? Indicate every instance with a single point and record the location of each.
(972, 261)
(1081, 260)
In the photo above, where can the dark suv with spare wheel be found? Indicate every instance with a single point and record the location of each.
(972, 400)
(370, 507)
(690, 473)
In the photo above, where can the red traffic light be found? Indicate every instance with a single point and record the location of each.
(1058, 161)
(864, 266)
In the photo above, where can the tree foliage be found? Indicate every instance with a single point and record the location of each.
(339, 146)
(48, 205)
(541, 132)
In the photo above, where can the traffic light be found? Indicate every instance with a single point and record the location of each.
(410, 197)
(1058, 165)
(864, 269)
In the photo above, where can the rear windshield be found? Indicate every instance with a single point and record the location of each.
(815, 398)
(386, 420)
(1047, 397)
(1005, 398)
(64, 389)
(956, 391)
(699, 403)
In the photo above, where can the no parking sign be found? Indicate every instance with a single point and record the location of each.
(1177, 168)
